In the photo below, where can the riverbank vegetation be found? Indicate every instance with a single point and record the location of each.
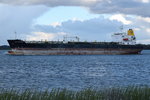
(128, 93)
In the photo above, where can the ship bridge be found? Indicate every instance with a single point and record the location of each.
(125, 38)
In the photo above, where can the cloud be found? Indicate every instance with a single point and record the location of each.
(38, 36)
(50, 3)
(19, 19)
(145, 19)
(143, 1)
(55, 24)
(132, 7)
(99, 29)
(121, 18)
(144, 41)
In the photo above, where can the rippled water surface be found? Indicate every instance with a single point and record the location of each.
(74, 72)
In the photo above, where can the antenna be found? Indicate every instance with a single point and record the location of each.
(78, 39)
(15, 35)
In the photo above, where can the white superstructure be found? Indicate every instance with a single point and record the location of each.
(125, 38)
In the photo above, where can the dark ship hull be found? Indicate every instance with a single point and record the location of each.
(20, 47)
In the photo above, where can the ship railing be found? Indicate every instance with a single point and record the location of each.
(43, 41)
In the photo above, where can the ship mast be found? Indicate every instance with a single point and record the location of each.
(15, 35)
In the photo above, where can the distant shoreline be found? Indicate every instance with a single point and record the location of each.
(5, 47)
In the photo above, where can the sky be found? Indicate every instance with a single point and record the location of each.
(91, 20)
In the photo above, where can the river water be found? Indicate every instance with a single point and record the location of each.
(74, 72)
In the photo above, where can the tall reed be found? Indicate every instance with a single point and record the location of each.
(128, 93)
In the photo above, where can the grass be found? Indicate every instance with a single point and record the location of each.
(128, 93)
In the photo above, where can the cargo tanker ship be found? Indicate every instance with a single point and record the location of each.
(125, 44)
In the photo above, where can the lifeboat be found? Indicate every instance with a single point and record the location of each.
(125, 39)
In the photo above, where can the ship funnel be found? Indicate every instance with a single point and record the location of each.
(130, 32)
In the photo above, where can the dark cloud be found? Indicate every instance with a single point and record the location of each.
(133, 7)
(19, 19)
(50, 3)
